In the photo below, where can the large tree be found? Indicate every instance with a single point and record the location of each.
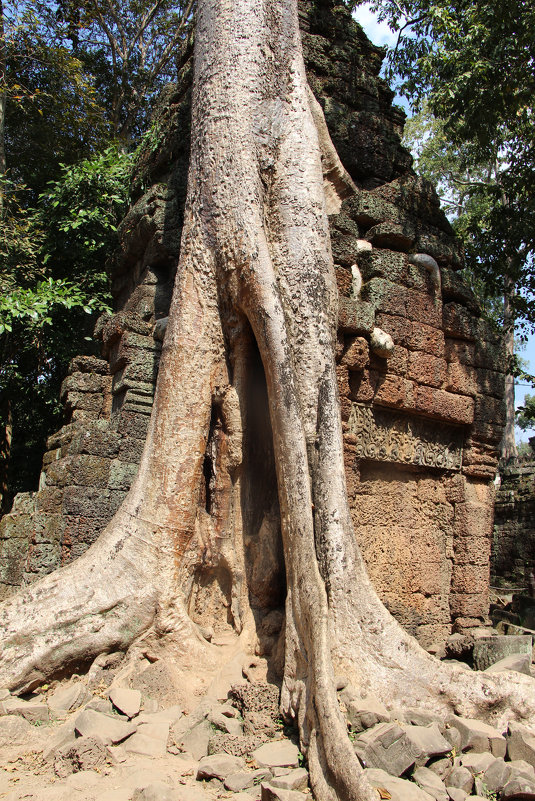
(255, 276)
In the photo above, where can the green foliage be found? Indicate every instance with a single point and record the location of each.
(471, 68)
(52, 283)
(525, 415)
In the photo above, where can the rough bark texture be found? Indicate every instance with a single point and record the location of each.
(256, 276)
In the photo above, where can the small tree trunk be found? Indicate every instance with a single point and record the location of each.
(255, 262)
(509, 449)
(3, 65)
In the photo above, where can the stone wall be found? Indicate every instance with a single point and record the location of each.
(513, 553)
(421, 426)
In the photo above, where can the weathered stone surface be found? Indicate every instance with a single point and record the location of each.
(518, 787)
(272, 793)
(242, 779)
(399, 789)
(489, 650)
(519, 662)
(110, 729)
(431, 783)
(195, 740)
(280, 753)
(33, 711)
(150, 739)
(126, 700)
(428, 741)
(461, 778)
(387, 747)
(219, 766)
(296, 779)
(477, 763)
(65, 699)
(157, 791)
(86, 753)
(478, 736)
(363, 713)
(13, 729)
(521, 742)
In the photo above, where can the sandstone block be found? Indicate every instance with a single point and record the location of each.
(387, 747)
(431, 783)
(277, 754)
(196, 740)
(65, 699)
(521, 663)
(399, 789)
(271, 793)
(363, 713)
(224, 723)
(111, 730)
(521, 742)
(218, 766)
(518, 787)
(478, 736)
(242, 779)
(86, 753)
(489, 650)
(428, 741)
(456, 794)
(460, 778)
(156, 791)
(32, 711)
(296, 779)
(126, 700)
(13, 730)
(392, 236)
(444, 405)
(477, 763)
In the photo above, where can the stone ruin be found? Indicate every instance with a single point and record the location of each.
(422, 407)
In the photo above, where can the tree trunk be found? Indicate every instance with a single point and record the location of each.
(509, 450)
(3, 164)
(255, 272)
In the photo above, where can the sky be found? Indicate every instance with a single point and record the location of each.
(380, 34)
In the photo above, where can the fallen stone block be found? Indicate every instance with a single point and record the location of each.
(218, 766)
(421, 717)
(271, 793)
(196, 740)
(441, 767)
(461, 779)
(521, 742)
(280, 753)
(477, 763)
(518, 787)
(428, 741)
(521, 663)
(363, 713)
(478, 736)
(111, 730)
(399, 789)
(387, 747)
(86, 753)
(431, 783)
(157, 791)
(489, 650)
(64, 735)
(13, 730)
(65, 699)
(32, 711)
(456, 794)
(170, 715)
(243, 779)
(494, 777)
(225, 723)
(126, 700)
(296, 779)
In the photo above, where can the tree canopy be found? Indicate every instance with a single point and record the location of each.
(472, 66)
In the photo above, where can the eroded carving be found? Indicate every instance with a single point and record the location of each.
(387, 436)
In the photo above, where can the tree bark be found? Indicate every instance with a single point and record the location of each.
(509, 449)
(255, 271)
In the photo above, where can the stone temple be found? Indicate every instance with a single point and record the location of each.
(422, 408)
